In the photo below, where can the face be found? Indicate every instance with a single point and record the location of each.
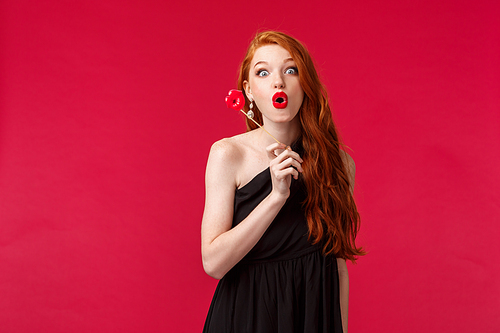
(273, 84)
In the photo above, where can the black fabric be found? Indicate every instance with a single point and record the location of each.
(284, 284)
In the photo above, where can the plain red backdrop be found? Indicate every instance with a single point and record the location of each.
(108, 110)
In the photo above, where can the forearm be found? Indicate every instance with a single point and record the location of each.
(225, 251)
(344, 291)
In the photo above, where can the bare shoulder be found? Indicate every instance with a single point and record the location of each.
(229, 154)
(237, 158)
(350, 166)
(231, 150)
(348, 161)
(224, 156)
(226, 149)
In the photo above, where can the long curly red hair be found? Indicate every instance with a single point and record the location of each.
(331, 212)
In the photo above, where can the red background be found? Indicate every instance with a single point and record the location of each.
(107, 113)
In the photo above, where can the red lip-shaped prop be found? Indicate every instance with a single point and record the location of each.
(280, 100)
(235, 100)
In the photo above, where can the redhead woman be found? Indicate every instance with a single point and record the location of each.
(280, 220)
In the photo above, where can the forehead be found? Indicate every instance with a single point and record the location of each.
(270, 53)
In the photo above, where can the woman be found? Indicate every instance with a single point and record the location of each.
(280, 219)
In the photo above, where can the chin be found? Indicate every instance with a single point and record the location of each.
(283, 119)
(280, 116)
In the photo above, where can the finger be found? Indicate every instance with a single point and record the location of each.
(271, 150)
(282, 175)
(287, 159)
(291, 153)
(289, 166)
(291, 162)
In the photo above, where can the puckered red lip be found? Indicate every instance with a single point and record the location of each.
(280, 100)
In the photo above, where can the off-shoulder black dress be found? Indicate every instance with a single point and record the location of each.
(284, 284)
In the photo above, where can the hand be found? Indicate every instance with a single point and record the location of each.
(282, 160)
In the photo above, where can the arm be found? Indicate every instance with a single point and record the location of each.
(341, 263)
(223, 246)
(344, 291)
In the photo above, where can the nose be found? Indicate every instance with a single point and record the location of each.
(279, 83)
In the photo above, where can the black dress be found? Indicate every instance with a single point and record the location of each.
(284, 284)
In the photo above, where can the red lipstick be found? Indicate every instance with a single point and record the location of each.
(280, 100)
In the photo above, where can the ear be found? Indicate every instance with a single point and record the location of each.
(248, 91)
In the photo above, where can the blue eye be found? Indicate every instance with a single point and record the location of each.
(262, 72)
(292, 70)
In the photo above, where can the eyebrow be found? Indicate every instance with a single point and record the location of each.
(265, 62)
